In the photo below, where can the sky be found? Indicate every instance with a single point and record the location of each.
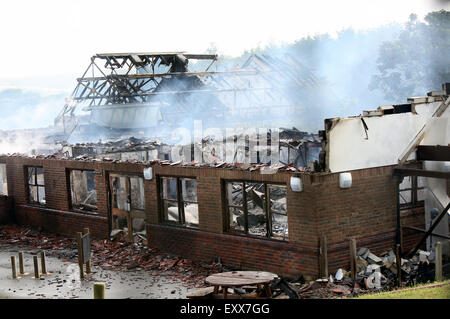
(47, 44)
(52, 38)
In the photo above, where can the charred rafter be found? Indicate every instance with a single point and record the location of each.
(118, 80)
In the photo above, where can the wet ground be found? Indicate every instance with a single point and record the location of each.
(64, 280)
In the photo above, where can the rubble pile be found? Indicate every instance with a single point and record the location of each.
(263, 168)
(24, 236)
(374, 274)
(116, 254)
(298, 152)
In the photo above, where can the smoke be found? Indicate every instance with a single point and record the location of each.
(27, 142)
(342, 67)
(22, 108)
(297, 85)
(294, 85)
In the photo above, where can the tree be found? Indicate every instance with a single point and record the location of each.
(418, 61)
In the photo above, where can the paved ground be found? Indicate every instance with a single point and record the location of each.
(64, 281)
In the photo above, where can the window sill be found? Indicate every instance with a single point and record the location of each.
(86, 212)
(178, 225)
(39, 205)
(257, 237)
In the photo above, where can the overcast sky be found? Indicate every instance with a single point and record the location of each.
(54, 39)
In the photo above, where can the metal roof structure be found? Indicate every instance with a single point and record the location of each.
(138, 90)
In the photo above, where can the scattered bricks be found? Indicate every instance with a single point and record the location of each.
(363, 252)
(373, 259)
(361, 264)
(373, 267)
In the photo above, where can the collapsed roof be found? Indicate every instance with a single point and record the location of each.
(141, 90)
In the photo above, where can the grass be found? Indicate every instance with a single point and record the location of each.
(425, 291)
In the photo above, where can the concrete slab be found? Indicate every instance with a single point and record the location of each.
(64, 281)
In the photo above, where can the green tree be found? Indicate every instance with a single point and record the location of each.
(418, 61)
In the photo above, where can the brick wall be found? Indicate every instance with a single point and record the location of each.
(56, 215)
(5, 210)
(61, 222)
(366, 211)
(236, 251)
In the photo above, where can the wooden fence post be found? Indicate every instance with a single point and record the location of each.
(21, 269)
(99, 290)
(323, 258)
(80, 254)
(399, 265)
(36, 267)
(353, 257)
(88, 263)
(44, 268)
(438, 261)
(13, 267)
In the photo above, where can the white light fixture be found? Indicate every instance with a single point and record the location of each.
(296, 184)
(345, 180)
(148, 173)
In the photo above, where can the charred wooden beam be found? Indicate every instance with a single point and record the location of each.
(429, 231)
(401, 171)
(424, 231)
(433, 153)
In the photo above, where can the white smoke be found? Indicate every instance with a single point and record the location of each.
(27, 142)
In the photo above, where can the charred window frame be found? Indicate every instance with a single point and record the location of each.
(411, 192)
(127, 203)
(35, 185)
(268, 200)
(3, 180)
(178, 201)
(83, 192)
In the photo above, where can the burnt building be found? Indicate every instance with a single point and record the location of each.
(377, 185)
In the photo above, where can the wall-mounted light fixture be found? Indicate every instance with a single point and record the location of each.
(296, 184)
(148, 173)
(345, 180)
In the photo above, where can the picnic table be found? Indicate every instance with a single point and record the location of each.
(241, 278)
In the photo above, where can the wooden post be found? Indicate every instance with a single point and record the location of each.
(88, 263)
(21, 270)
(399, 265)
(80, 254)
(323, 258)
(438, 261)
(13, 267)
(44, 269)
(36, 267)
(353, 257)
(99, 290)
(130, 227)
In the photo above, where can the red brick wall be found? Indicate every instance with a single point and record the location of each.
(5, 209)
(412, 217)
(56, 216)
(366, 211)
(61, 222)
(236, 251)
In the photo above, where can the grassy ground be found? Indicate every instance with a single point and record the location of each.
(439, 290)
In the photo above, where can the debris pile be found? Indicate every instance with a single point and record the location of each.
(374, 273)
(263, 168)
(297, 152)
